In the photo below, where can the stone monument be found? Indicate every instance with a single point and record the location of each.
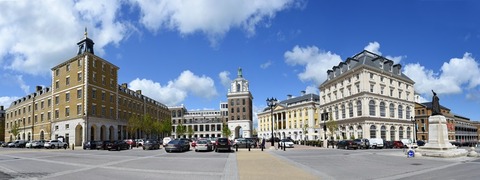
(438, 144)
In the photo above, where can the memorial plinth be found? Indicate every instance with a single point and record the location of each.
(438, 144)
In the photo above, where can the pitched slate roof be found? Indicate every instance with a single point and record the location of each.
(304, 98)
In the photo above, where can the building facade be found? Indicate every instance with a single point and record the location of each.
(2, 123)
(423, 111)
(204, 123)
(368, 96)
(465, 130)
(241, 109)
(84, 103)
(295, 118)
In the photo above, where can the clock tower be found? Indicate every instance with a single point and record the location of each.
(240, 99)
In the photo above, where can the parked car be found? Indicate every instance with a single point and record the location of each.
(17, 144)
(362, 143)
(347, 144)
(5, 144)
(139, 142)
(223, 144)
(455, 143)
(150, 144)
(28, 144)
(376, 143)
(52, 144)
(166, 140)
(398, 144)
(276, 139)
(243, 143)
(118, 145)
(420, 143)
(203, 145)
(177, 145)
(91, 145)
(388, 144)
(131, 142)
(288, 143)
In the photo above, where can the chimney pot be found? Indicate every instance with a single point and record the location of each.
(139, 91)
(124, 85)
(289, 96)
(1, 108)
(302, 92)
(39, 88)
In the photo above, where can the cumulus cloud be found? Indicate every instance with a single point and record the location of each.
(266, 65)
(10, 79)
(315, 61)
(311, 89)
(374, 47)
(45, 32)
(176, 90)
(451, 79)
(212, 18)
(225, 78)
(5, 101)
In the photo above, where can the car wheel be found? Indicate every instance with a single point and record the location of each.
(346, 147)
(144, 148)
(196, 150)
(53, 146)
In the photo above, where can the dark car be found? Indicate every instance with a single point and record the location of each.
(223, 144)
(244, 143)
(177, 145)
(151, 144)
(117, 145)
(420, 143)
(276, 139)
(91, 145)
(347, 144)
(362, 143)
(388, 144)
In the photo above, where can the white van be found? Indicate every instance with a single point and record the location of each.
(166, 140)
(376, 143)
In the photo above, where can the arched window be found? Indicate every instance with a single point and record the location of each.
(359, 108)
(238, 87)
(392, 110)
(238, 109)
(336, 113)
(371, 107)
(392, 133)
(400, 112)
(400, 132)
(243, 101)
(238, 117)
(174, 114)
(350, 110)
(360, 132)
(232, 110)
(243, 109)
(343, 111)
(238, 101)
(179, 113)
(173, 122)
(408, 132)
(231, 102)
(373, 131)
(383, 132)
(382, 109)
(408, 112)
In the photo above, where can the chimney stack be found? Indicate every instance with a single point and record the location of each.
(1, 108)
(302, 93)
(39, 88)
(289, 96)
(139, 91)
(124, 85)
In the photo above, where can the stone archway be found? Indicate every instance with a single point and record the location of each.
(93, 129)
(103, 131)
(238, 132)
(78, 134)
(111, 130)
(42, 135)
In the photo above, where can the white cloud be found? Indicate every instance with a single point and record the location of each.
(311, 89)
(374, 47)
(45, 32)
(225, 78)
(266, 65)
(420, 99)
(10, 79)
(452, 78)
(5, 101)
(316, 62)
(177, 90)
(212, 18)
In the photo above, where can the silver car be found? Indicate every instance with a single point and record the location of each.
(203, 145)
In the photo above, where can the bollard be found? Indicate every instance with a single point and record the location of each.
(248, 147)
(262, 148)
(284, 147)
(236, 148)
(73, 146)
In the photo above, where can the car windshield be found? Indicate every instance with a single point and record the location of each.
(222, 140)
(202, 142)
(174, 141)
(286, 140)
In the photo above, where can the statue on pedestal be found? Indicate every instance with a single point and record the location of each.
(435, 105)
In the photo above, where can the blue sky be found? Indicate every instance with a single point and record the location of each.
(183, 52)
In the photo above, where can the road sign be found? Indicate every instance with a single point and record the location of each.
(411, 153)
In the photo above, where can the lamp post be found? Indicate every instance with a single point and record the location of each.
(414, 128)
(272, 102)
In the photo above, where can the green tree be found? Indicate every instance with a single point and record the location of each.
(332, 125)
(147, 125)
(226, 131)
(166, 127)
(304, 129)
(133, 123)
(15, 130)
(190, 131)
(181, 130)
(156, 129)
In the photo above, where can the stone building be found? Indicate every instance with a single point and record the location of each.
(368, 96)
(294, 117)
(423, 111)
(204, 123)
(84, 103)
(2, 123)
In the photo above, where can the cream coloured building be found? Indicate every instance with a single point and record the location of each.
(369, 97)
(295, 117)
